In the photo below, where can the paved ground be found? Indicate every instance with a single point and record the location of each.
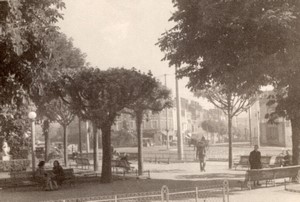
(175, 176)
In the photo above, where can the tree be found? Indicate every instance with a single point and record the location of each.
(232, 104)
(61, 113)
(99, 96)
(240, 44)
(155, 99)
(24, 30)
(63, 56)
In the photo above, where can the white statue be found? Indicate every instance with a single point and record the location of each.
(5, 148)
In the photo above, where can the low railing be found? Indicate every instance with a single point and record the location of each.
(216, 193)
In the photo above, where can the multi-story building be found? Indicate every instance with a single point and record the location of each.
(158, 126)
(265, 133)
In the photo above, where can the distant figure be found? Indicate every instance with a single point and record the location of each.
(254, 160)
(201, 154)
(287, 161)
(58, 173)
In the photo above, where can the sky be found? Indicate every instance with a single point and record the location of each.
(123, 33)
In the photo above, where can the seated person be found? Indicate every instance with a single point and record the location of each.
(42, 177)
(58, 173)
(124, 162)
(287, 159)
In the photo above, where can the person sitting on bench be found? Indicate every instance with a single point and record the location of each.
(287, 159)
(43, 177)
(58, 173)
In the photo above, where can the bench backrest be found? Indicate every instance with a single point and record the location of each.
(69, 172)
(82, 161)
(272, 173)
(244, 160)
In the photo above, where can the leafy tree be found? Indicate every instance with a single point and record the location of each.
(99, 96)
(24, 30)
(63, 56)
(156, 98)
(240, 45)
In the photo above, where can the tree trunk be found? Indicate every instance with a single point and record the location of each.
(65, 146)
(295, 123)
(139, 120)
(229, 141)
(106, 175)
(95, 144)
(46, 127)
(79, 136)
(87, 137)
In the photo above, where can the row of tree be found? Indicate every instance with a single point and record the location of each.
(41, 70)
(229, 49)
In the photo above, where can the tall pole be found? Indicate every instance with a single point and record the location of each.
(258, 129)
(33, 143)
(32, 116)
(250, 134)
(179, 136)
(167, 119)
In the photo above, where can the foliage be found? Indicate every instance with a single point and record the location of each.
(212, 126)
(14, 129)
(25, 27)
(240, 44)
(99, 96)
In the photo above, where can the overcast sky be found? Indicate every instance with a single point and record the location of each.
(123, 33)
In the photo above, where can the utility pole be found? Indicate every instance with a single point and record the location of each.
(167, 120)
(179, 136)
(258, 128)
(79, 136)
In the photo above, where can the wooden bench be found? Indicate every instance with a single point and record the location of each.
(83, 162)
(270, 174)
(121, 164)
(266, 162)
(20, 179)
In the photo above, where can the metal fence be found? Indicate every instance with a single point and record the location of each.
(212, 193)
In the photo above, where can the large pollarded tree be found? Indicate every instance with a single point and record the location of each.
(155, 101)
(99, 96)
(245, 43)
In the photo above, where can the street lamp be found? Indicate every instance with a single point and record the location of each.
(32, 116)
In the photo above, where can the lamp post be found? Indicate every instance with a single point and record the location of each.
(32, 116)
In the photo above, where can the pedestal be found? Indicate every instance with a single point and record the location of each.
(5, 158)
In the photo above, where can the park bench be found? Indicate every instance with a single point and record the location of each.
(26, 178)
(83, 162)
(266, 161)
(270, 175)
(120, 164)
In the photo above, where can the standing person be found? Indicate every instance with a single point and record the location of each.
(254, 160)
(201, 154)
(58, 173)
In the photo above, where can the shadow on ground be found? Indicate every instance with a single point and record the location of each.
(212, 176)
(95, 188)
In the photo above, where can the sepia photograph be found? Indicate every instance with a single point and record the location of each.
(149, 100)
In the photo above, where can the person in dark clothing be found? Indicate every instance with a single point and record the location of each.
(254, 160)
(58, 173)
(42, 177)
(287, 159)
(201, 154)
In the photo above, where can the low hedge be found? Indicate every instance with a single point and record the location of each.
(14, 165)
